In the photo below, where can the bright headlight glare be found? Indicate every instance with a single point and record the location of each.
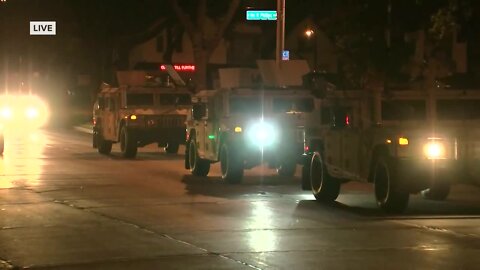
(23, 111)
(434, 150)
(262, 134)
(6, 113)
(31, 113)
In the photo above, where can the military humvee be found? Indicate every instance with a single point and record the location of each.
(403, 142)
(243, 127)
(140, 115)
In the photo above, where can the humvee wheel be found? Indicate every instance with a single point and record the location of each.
(172, 147)
(94, 139)
(231, 165)
(104, 147)
(2, 145)
(128, 144)
(198, 166)
(324, 187)
(306, 177)
(387, 192)
(287, 168)
(439, 191)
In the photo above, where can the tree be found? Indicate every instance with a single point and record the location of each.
(194, 19)
(105, 37)
(370, 35)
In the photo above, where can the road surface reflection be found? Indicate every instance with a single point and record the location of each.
(262, 238)
(22, 161)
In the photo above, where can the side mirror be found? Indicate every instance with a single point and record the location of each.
(316, 83)
(199, 111)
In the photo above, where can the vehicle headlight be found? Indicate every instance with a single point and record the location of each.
(262, 134)
(23, 111)
(434, 150)
(6, 113)
(31, 113)
(138, 120)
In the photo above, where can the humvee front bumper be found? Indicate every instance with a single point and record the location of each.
(419, 174)
(159, 135)
(272, 154)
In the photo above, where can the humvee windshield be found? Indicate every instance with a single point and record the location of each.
(403, 110)
(245, 105)
(293, 104)
(143, 99)
(175, 99)
(458, 109)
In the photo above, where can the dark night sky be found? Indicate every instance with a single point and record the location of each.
(84, 27)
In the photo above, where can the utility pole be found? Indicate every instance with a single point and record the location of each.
(280, 32)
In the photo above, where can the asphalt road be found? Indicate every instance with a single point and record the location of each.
(64, 206)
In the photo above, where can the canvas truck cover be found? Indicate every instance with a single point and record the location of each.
(290, 74)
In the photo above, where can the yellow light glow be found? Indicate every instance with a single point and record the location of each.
(19, 112)
(434, 150)
(23, 162)
(388, 141)
(309, 33)
(133, 117)
(31, 113)
(402, 141)
(6, 113)
(238, 129)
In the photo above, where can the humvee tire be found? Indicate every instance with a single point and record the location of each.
(172, 147)
(287, 168)
(128, 143)
(438, 192)
(231, 165)
(324, 187)
(306, 177)
(387, 180)
(104, 147)
(198, 166)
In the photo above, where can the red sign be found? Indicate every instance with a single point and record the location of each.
(182, 67)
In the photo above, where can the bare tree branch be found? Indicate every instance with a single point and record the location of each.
(201, 14)
(183, 17)
(173, 42)
(226, 22)
(148, 33)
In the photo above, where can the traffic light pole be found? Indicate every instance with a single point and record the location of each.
(280, 32)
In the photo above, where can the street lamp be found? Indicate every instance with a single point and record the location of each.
(310, 34)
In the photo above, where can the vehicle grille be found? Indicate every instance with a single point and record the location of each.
(166, 121)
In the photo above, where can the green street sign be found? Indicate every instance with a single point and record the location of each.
(261, 15)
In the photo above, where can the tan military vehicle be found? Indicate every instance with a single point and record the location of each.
(242, 127)
(140, 112)
(403, 142)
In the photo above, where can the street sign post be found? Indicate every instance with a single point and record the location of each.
(280, 46)
(261, 15)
